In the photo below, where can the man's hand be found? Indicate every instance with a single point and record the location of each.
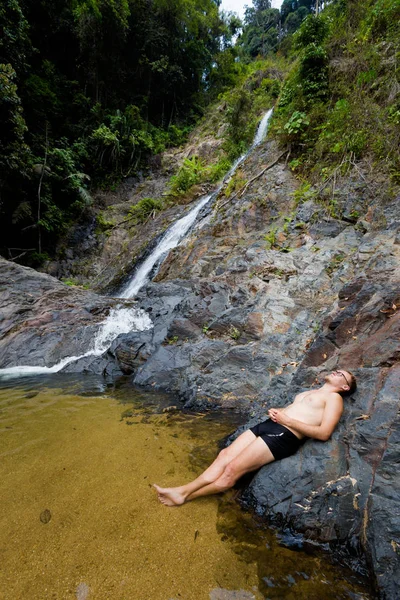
(279, 416)
(330, 418)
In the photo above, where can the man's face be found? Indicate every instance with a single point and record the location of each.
(339, 378)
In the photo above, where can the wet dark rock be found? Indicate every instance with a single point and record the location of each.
(184, 329)
(326, 229)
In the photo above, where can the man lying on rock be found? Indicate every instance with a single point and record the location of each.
(313, 414)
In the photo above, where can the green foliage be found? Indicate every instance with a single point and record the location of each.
(270, 237)
(295, 19)
(236, 182)
(234, 333)
(14, 40)
(260, 36)
(70, 282)
(303, 193)
(313, 73)
(37, 259)
(92, 89)
(191, 172)
(145, 209)
(298, 121)
(240, 129)
(15, 153)
(248, 102)
(269, 87)
(351, 108)
(340, 133)
(102, 224)
(75, 283)
(224, 72)
(382, 20)
(313, 30)
(216, 171)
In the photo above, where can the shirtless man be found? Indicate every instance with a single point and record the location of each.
(313, 414)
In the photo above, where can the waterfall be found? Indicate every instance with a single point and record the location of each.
(170, 240)
(175, 234)
(122, 319)
(262, 129)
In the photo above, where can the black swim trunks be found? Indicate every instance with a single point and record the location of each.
(280, 440)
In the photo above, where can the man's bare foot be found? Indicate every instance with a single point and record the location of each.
(169, 496)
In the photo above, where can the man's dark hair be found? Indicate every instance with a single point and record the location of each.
(353, 386)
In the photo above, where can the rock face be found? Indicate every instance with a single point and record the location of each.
(346, 491)
(43, 321)
(266, 295)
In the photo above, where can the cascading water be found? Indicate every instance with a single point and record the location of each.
(170, 240)
(175, 234)
(122, 319)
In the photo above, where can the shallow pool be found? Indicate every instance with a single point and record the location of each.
(80, 519)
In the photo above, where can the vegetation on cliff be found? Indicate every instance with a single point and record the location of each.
(340, 102)
(90, 91)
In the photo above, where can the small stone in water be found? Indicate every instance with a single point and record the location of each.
(45, 516)
(222, 594)
(82, 591)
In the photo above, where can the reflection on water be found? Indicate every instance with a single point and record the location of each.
(80, 519)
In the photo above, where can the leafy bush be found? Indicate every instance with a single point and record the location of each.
(144, 209)
(384, 18)
(304, 193)
(216, 171)
(313, 72)
(15, 153)
(297, 122)
(240, 128)
(191, 172)
(313, 30)
(102, 224)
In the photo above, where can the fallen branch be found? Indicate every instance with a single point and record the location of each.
(288, 155)
(244, 188)
(123, 221)
(26, 250)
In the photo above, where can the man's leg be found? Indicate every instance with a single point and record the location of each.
(176, 495)
(254, 456)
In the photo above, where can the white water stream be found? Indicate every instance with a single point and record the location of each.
(170, 239)
(175, 234)
(122, 319)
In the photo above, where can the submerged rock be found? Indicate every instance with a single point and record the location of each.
(45, 516)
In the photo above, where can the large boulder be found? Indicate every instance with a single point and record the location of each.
(43, 321)
(346, 492)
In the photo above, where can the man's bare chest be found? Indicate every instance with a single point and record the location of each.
(310, 401)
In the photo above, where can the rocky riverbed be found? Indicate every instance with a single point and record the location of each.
(273, 289)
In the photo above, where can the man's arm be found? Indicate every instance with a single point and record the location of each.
(332, 413)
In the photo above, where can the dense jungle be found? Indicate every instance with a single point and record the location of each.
(203, 212)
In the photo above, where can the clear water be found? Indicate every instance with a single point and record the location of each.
(79, 518)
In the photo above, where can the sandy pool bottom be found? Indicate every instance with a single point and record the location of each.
(79, 518)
